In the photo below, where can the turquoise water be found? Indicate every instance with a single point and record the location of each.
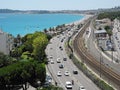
(29, 23)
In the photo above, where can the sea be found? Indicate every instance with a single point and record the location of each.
(29, 23)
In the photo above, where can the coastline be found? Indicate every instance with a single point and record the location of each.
(86, 16)
(54, 30)
(37, 26)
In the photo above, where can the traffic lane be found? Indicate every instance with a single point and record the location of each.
(60, 80)
(72, 77)
(54, 68)
(52, 52)
(66, 78)
(70, 69)
(80, 77)
(55, 58)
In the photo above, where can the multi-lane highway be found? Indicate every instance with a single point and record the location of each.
(55, 50)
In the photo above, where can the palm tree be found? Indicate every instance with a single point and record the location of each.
(45, 30)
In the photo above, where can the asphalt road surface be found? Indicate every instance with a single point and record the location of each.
(53, 52)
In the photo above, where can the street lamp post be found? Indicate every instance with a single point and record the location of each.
(100, 63)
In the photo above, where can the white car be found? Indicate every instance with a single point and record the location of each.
(68, 85)
(58, 60)
(82, 88)
(52, 62)
(59, 73)
(67, 73)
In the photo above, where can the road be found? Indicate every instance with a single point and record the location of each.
(98, 55)
(55, 52)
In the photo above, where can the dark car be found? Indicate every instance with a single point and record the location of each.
(61, 66)
(61, 48)
(64, 59)
(62, 40)
(75, 72)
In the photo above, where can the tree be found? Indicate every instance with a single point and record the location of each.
(109, 31)
(107, 27)
(45, 30)
(27, 46)
(19, 38)
(17, 52)
(110, 15)
(5, 60)
(40, 72)
(26, 37)
(21, 73)
(50, 29)
(39, 45)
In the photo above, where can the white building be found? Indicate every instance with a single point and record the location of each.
(6, 42)
(102, 38)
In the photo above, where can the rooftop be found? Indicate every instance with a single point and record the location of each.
(100, 31)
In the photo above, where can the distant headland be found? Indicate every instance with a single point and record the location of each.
(59, 11)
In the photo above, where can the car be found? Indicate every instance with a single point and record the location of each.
(59, 73)
(48, 60)
(51, 57)
(61, 48)
(46, 84)
(68, 85)
(62, 40)
(82, 88)
(48, 78)
(75, 72)
(58, 60)
(67, 73)
(58, 36)
(64, 59)
(61, 66)
(52, 62)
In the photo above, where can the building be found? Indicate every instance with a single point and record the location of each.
(101, 33)
(6, 42)
(102, 39)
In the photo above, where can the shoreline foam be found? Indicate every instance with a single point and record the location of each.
(81, 20)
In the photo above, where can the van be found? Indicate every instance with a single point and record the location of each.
(68, 85)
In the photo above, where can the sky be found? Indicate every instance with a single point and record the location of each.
(57, 4)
